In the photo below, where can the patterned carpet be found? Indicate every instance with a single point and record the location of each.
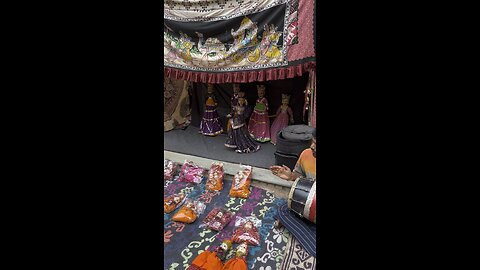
(183, 242)
(297, 258)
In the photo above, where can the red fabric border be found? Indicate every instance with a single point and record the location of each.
(240, 76)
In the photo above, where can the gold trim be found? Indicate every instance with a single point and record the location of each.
(308, 203)
(237, 127)
(292, 190)
(251, 119)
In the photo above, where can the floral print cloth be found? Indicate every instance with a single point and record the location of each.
(184, 242)
(297, 258)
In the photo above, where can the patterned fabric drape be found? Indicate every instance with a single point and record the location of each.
(215, 41)
(176, 103)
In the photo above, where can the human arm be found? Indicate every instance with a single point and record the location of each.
(284, 172)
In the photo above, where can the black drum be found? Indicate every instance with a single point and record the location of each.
(303, 198)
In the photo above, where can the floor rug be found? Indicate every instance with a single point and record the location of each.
(297, 258)
(184, 242)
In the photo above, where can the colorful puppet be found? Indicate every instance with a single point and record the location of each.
(172, 202)
(238, 262)
(238, 137)
(210, 126)
(259, 125)
(211, 260)
(283, 115)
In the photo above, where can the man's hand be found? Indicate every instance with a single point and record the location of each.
(283, 172)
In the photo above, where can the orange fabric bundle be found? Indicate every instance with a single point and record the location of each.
(215, 177)
(172, 202)
(235, 264)
(241, 183)
(238, 263)
(185, 215)
(189, 212)
(207, 260)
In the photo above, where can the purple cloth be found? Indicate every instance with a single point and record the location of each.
(210, 125)
(238, 136)
(240, 140)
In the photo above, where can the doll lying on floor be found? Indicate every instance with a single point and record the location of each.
(172, 202)
(239, 261)
(241, 183)
(189, 212)
(169, 169)
(191, 173)
(211, 260)
(215, 177)
(217, 219)
(247, 231)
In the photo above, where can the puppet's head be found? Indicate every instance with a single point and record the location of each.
(261, 90)
(242, 250)
(180, 197)
(210, 88)
(236, 88)
(190, 205)
(177, 199)
(285, 99)
(226, 245)
(242, 101)
(248, 225)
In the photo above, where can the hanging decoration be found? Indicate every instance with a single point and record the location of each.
(241, 41)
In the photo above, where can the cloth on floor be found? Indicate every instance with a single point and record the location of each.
(303, 230)
(297, 258)
(183, 242)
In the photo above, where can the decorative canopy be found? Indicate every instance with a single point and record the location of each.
(226, 41)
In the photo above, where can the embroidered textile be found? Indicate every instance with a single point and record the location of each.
(244, 36)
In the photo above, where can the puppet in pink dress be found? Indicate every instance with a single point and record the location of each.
(259, 125)
(283, 115)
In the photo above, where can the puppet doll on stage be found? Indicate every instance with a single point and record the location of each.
(283, 115)
(259, 125)
(233, 102)
(238, 136)
(210, 126)
(236, 90)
